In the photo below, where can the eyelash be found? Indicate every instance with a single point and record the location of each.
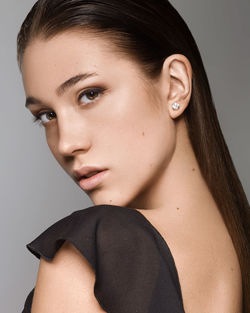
(100, 91)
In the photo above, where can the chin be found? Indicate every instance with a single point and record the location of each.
(99, 197)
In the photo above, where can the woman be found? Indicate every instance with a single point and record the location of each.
(121, 90)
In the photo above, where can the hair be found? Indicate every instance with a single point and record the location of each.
(150, 31)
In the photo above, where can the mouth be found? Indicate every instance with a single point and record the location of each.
(91, 174)
(92, 180)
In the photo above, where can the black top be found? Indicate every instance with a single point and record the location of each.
(135, 270)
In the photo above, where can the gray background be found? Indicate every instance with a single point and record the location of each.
(35, 191)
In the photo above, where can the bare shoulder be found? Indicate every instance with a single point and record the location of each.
(66, 284)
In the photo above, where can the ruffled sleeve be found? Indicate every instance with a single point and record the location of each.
(135, 272)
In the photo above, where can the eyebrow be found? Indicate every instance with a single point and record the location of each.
(62, 88)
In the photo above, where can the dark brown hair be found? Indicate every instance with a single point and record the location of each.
(150, 31)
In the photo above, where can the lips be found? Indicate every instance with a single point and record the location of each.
(91, 174)
(92, 181)
(86, 171)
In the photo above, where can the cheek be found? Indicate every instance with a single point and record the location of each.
(139, 141)
(52, 141)
(149, 146)
(137, 154)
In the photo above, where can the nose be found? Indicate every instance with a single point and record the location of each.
(72, 136)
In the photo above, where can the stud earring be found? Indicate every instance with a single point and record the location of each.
(176, 106)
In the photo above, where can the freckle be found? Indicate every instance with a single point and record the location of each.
(143, 134)
(193, 169)
(232, 269)
(178, 208)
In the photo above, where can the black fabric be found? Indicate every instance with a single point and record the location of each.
(134, 268)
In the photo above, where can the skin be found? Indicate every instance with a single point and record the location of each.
(132, 130)
(143, 138)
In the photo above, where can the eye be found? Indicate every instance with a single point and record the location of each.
(90, 95)
(44, 117)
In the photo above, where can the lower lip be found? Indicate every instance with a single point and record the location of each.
(93, 181)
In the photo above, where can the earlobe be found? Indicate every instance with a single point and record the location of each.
(179, 76)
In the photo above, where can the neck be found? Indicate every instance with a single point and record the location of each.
(180, 191)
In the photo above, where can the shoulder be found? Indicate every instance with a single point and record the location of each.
(100, 259)
(92, 254)
(93, 226)
(65, 284)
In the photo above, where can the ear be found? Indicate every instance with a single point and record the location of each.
(177, 83)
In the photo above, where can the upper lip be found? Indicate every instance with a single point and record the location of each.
(85, 170)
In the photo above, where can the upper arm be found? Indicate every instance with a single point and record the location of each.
(65, 284)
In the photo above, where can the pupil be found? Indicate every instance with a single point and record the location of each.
(50, 115)
(92, 94)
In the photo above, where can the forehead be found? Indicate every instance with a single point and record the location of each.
(54, 60)
(67, 48)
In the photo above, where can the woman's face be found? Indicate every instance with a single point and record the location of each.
(111, 118)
